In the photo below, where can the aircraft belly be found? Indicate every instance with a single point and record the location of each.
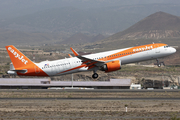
(137, 57)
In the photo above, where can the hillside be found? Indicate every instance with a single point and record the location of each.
(81, 38)
(57, 24)
(174, 59)
(16, 37)
(159, 25)
(103, 20)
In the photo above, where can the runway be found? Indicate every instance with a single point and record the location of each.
(90, 94)
(88, 90)
(90, 99)
(84, 118)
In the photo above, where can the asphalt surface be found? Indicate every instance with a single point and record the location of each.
(88, 90)
(89, 98)
(74, 117)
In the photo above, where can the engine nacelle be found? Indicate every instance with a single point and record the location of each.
(111, 66)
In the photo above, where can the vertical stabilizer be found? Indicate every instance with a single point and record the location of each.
(22, 65)
(18, 59)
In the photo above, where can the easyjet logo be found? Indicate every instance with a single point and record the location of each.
(143, 48)
(16, 55)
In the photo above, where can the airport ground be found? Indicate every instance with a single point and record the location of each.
(96, 104)
(89, 104)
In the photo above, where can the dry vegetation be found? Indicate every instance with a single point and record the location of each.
(66, 94)
(87, 109)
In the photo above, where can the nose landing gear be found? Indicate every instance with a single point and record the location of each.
(159, 63)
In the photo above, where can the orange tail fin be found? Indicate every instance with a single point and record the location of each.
(18, 59)
(22, 64)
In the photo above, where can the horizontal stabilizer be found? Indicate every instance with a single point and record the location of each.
(14, 72)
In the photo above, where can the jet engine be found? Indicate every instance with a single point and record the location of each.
(111, 66)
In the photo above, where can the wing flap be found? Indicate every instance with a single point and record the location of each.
(90, 63)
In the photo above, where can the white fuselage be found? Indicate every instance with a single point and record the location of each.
(74, 64)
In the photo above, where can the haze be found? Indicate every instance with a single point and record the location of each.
(60, 19)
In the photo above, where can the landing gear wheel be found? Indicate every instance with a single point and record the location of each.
(95, 75)
(159, 64)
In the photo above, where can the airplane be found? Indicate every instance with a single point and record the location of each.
(108, 61)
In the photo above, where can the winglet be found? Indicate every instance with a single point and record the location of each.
(70, 56)
(75, 53)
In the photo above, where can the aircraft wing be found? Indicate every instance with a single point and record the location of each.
(89, 62)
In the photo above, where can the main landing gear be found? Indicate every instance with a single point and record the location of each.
(95, 75)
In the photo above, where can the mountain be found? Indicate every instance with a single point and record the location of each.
(159, 25)
(97, 38)
(77, 38)
(80, 38)
(54, 25)
(16, 37)
(103, 20)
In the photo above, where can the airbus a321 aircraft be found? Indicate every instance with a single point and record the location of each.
(105, 61)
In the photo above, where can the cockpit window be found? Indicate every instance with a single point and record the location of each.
(166, 46)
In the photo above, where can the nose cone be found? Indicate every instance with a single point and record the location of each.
(173, 50)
